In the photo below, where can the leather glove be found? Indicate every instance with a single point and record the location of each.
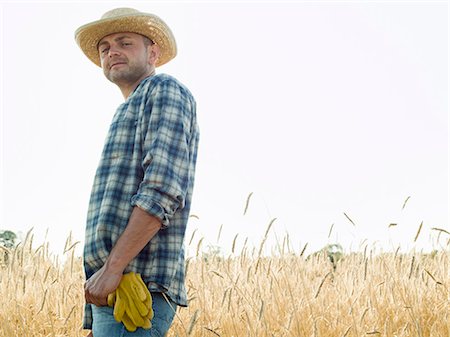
(132, 303)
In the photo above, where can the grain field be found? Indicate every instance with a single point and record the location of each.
(249, 294)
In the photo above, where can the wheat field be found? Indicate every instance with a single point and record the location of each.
(249, 294)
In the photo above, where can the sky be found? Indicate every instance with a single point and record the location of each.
(332, 114)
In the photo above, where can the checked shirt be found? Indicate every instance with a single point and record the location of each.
(148, 161)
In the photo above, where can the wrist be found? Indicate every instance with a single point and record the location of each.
(115, 265)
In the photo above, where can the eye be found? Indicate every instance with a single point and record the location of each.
(126, 43)
(104, 50)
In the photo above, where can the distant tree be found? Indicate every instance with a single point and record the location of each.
(334, 252)
(7, 238)
(213, 252)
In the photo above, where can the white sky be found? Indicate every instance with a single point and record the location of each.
(318, 108)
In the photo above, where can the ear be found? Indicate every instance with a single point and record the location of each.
(154, 52)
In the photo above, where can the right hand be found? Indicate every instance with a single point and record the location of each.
(100, 285)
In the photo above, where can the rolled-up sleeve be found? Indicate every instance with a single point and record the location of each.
(167, 162)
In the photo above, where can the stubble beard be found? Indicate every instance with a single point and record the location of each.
(129, 75)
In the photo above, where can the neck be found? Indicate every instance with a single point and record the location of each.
(128, 88)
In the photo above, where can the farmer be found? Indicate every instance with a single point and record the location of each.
(141, 196)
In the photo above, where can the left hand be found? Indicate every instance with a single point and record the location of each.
(100, 285)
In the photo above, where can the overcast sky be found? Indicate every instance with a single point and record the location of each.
(318, 108)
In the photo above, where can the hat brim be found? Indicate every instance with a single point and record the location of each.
(149, 25)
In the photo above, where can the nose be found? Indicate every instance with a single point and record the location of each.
(113, 51)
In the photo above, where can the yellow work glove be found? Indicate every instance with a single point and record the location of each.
(132, 303)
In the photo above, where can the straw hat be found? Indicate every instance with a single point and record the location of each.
(127, 20)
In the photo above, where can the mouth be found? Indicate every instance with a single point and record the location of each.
(116, 64)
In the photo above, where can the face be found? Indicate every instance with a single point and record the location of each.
(126, 59)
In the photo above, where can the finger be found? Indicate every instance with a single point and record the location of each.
(103, 301)
(138, 286)
(90, 298)
(119, 307)
(133, 310)
(111, 299)
(87, 296)
(129, 324)
(147, 323)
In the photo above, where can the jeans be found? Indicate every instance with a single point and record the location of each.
(104, 324)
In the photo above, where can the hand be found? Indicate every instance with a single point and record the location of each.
(99, 285)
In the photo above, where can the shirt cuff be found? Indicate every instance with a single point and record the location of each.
(152, 208)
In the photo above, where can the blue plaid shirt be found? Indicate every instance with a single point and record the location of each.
(148, 161)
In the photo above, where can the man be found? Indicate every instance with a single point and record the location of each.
(142, 192)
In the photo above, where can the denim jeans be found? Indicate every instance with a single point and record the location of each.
(104, 324)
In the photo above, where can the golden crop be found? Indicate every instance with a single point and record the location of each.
(285, 294)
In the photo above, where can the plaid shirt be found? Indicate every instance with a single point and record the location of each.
(148, 161)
